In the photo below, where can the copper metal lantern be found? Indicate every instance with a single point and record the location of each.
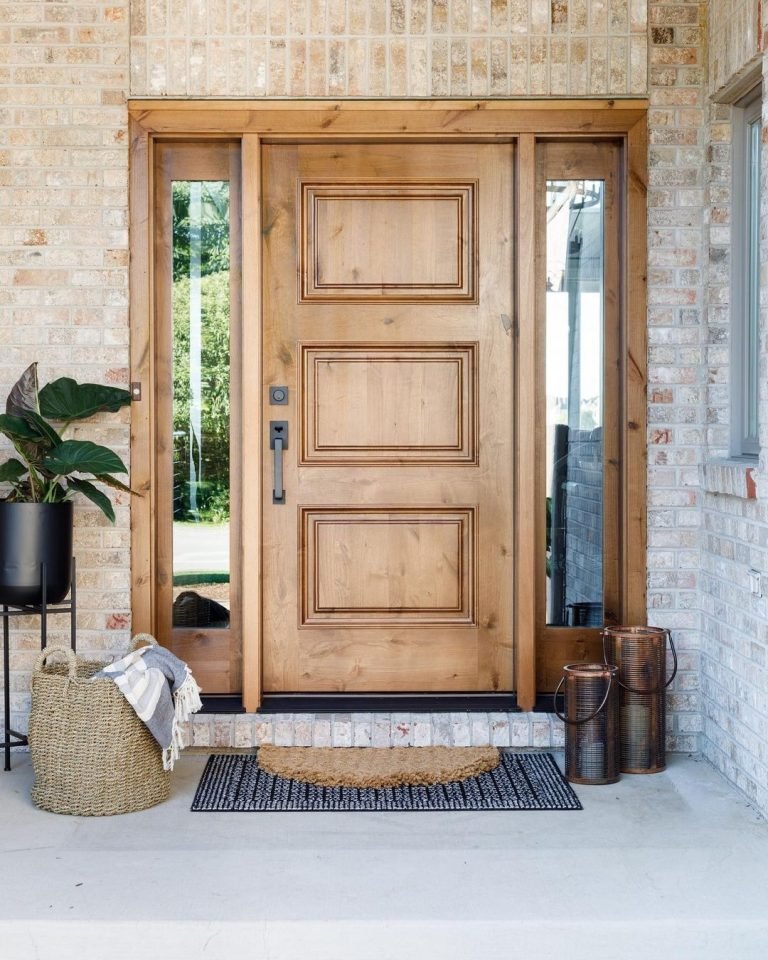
(641, 657)
(591, 722)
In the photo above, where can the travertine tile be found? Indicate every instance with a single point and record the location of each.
(399, 51)
(618, 78)
(357, 67)
(298, 68)
(479, 67)
(419, 17)
(342, 732)
(321, 732)
(459, 68)
(277, 85)
(499, 67)
(440, 86)
(418, 85)
(460, 730)
(479, 730)
(298, 14)
(439, 19)
(377, 68)
(398, 67)
(317, 70)
(358, 17)
(337, 68)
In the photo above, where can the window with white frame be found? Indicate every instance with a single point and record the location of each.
(745, 275)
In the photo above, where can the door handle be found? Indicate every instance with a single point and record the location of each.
(278, 442)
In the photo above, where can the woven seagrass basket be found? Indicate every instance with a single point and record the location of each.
(91, 754)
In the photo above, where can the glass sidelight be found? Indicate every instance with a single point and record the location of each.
(197, 296)
(580, 468)
(575, 238)
(201, 403)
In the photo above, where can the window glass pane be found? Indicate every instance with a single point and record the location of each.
(201, 321)
(574, 402)
(752, 342)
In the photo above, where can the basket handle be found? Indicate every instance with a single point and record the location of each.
(143, 640)
(57, 648)
(648, 692)
(592, 715)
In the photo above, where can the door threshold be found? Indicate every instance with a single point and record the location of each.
(387, 703)
(378, 703)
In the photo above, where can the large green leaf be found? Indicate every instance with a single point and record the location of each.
(16, 428)
(44, 429)
(101, 500)
(65, 399)
(24, 394)
(11, 470)
(82, 456)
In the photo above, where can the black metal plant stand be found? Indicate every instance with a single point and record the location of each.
(43, 610)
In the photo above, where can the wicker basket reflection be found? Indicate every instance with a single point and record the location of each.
(641, 657)
(591, 720)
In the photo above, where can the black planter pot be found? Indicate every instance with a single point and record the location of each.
(32, 534)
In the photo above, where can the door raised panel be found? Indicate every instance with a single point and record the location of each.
(387, 565)
(427, 230)
(378, 404)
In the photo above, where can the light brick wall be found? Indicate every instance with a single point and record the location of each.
(677, 237)
(388, 48)
(63, 269)
(734, 529)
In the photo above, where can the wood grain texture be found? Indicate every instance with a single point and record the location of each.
(388, 119)
(250, 423)
(142, 372)
(387, 565)
(635, 375)
(372, 403)
(527, 414)
(432, 373)
(429, 231)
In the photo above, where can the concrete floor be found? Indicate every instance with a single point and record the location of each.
(670, 867)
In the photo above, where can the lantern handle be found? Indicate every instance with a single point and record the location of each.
(592, 715)
(629, 689)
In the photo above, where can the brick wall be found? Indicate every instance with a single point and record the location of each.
(388, 48)
(676, 262)
(63, 269)
(734, 514)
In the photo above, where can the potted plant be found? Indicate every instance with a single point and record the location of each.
(44, 474)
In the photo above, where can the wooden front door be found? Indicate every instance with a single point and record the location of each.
(388, 305)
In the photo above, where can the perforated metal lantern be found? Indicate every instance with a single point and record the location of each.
(640, 655)
(591, 717)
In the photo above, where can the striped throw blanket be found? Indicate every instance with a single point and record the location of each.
(161, 689)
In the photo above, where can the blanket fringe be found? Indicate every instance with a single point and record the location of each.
(186, 701)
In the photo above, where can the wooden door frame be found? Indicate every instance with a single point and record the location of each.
(448, 121)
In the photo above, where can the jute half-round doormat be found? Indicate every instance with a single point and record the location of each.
(377, 767)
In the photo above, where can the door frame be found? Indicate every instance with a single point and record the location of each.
(526, 122)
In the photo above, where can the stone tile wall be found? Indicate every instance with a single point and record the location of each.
(388, 48)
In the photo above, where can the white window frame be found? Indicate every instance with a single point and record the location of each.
(745, 277)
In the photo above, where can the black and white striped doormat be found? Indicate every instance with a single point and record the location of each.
(522, 781)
